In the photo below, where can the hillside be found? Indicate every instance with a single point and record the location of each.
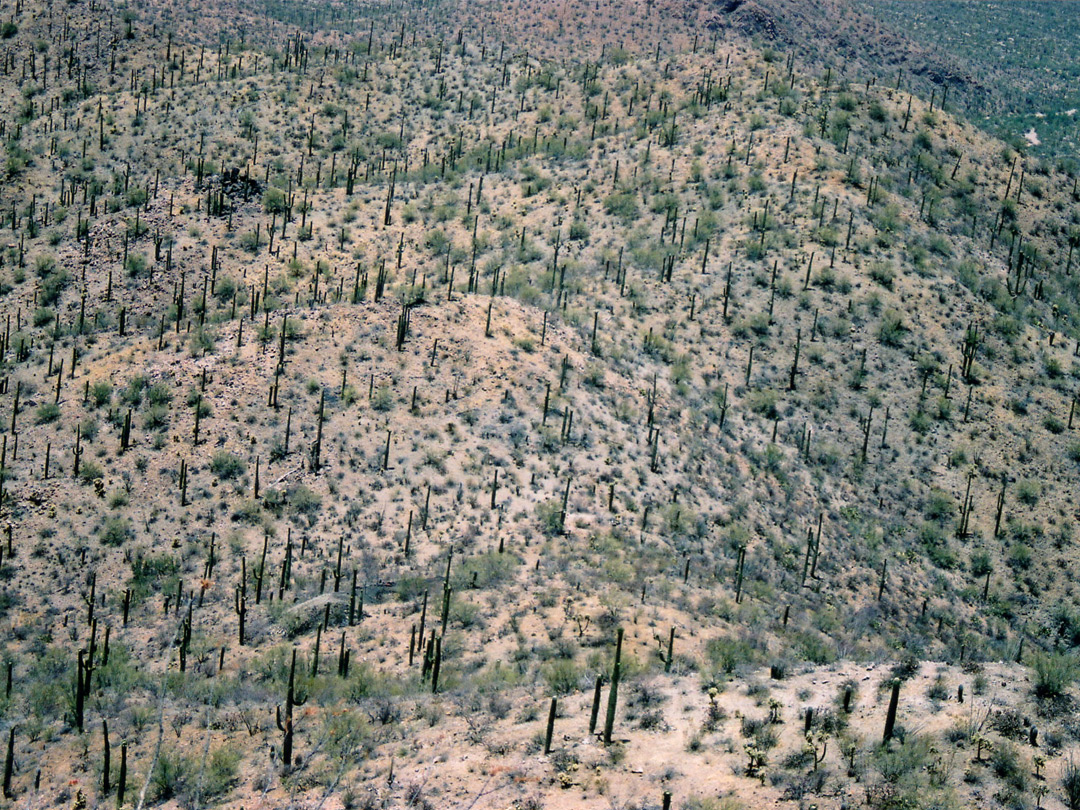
(369, 381)
(1024, 51)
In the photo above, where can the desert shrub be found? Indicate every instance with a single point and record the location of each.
(1070, 785)
(549, 516)
(116, 531)
(122, 673)
(135, 390)
(940, 505)
(89, 471)
(47, 683)
(172, 776)
(562, 676)
(623, 205)
(100, 393)
(1005, 761)
(274, 200)
(1019, 557)
(382, 399)
(226, 466)
(891, 330)
(52, 287)
(938, 689)
(919, 421)
(159, 394)
(201, 341)
(199, 403)
(156, 418)
(304, 502)
(409, 588)
(221, 771)
(1009, 724)
(764, 403)
(1054, 673)
(815, 648)
(248, 511)
(46, 413)
(981, 564)
(151, 572)
(726, 654)
(135, 265)
(1028, 492)
(464, 613)
(1065, 622)
(883, 273)
(484, 570)
(713, 803)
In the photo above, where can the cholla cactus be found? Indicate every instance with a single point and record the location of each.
(774, 710)
(758, 758)
(981, 743)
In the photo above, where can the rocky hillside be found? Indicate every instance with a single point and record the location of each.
(399, 416)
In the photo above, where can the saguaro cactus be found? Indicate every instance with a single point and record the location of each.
(9, 763)
(890, 716)
(121, 783)
(241, 599)
(550, 725)
(285, 722)
(613, 694)
(105, 757)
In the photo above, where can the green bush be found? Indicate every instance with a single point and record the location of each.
(135, 390)
(1070, 785)
(159, 394)
(981, 564)
(304, 502)
(248, 511)
(562, 676)
(549, 515)
(89, 471)
(221, 772)
(891, 330)
(116, 531)
(622, 204)
(201, 341)
(579, 231)
(100, 393)
(1054, 673)
(484, 570)
(156, 418)
(226, 466)
(171, 776)
(274, 200)
(940, 505)
(44, 265)
(1028, 491)
(764, 403)
(382, 399)
(136, 265)
(152, 572)
(1005, 760)
(725, 653)
(47, 412)
(883, 273)
(52, 287)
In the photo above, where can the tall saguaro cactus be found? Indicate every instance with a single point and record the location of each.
(613, 695)
(890, 716)
(285, 721)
